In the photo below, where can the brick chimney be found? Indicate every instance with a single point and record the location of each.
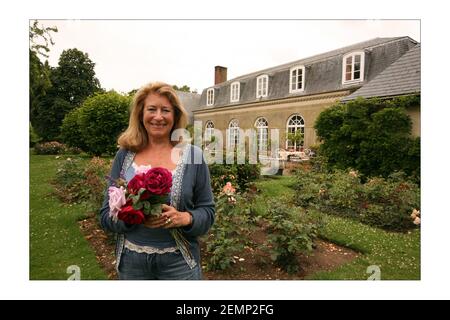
(220, 74)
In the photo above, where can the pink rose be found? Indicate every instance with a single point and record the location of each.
(116, 201)
(228, 189)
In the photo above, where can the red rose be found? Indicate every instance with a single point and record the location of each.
(128, 215)
(158, 181)
(136, 183)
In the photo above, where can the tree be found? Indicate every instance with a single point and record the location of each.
(101, 118)
(40, 83)
(184, 88)
(296, 138)
(37, 35)
(74, 79)
(71, 131)
(370, 135)
(48, 116)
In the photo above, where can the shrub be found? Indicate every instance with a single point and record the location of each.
(69, 181)
(70, 130)
(94, 180)
(220, 175)
(384, 203)
(370, 135)
(241, 174)
(290, 232)
(102, 118)
(83, 183)
(388, 203)
(52, 147)
(34, 138)
(308, 185)
(227, 236)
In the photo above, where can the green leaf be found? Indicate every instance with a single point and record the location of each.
(138, 205)
(156, 209)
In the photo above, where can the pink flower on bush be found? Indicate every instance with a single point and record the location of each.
(228, 189)
(116, 201)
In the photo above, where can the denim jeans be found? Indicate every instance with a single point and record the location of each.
(155, 266)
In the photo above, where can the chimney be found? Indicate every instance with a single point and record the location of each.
(220, 74)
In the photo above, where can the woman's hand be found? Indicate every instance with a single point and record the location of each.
(155, 222)
(175, 218)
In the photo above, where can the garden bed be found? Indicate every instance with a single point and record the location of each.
(326, 256)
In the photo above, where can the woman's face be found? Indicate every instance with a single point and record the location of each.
(158, 116)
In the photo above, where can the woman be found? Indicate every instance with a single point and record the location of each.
(148, 251)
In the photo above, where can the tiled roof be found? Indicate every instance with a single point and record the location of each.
(401, 77)
(323, 73)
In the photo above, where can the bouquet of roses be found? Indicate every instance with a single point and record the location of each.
(143, 196)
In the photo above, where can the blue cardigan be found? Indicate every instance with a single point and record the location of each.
(195, 197)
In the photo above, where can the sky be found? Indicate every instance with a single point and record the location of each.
(130, 53)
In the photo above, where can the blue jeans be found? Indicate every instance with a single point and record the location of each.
(166, 266)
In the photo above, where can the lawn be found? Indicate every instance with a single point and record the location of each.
(397, 255)
(55, 239)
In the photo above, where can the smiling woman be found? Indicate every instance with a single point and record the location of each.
(149, 250)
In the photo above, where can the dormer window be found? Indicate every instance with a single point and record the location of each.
(235, 92)
(297, 79)
(262, 86)
(210, 97)
(353, 67)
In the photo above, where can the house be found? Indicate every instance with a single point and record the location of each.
(189, 100)
(401, 78)
(290, 97)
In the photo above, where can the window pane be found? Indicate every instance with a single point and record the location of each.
(348, 68)
(357, 66)
(293, 87)
(348, 60)
(357, 58)
(294, 73)
(348, 76)
(357, 75)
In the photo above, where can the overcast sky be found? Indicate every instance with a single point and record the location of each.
(130, 53)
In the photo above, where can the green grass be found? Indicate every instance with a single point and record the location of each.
(396, 254)
(55, 238)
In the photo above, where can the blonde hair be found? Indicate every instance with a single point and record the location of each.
(135, 137)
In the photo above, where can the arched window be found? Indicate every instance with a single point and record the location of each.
(233, 133)
(209, 131)
(295, 124)
(262, 130)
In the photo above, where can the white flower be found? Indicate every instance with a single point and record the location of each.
(416, 221)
